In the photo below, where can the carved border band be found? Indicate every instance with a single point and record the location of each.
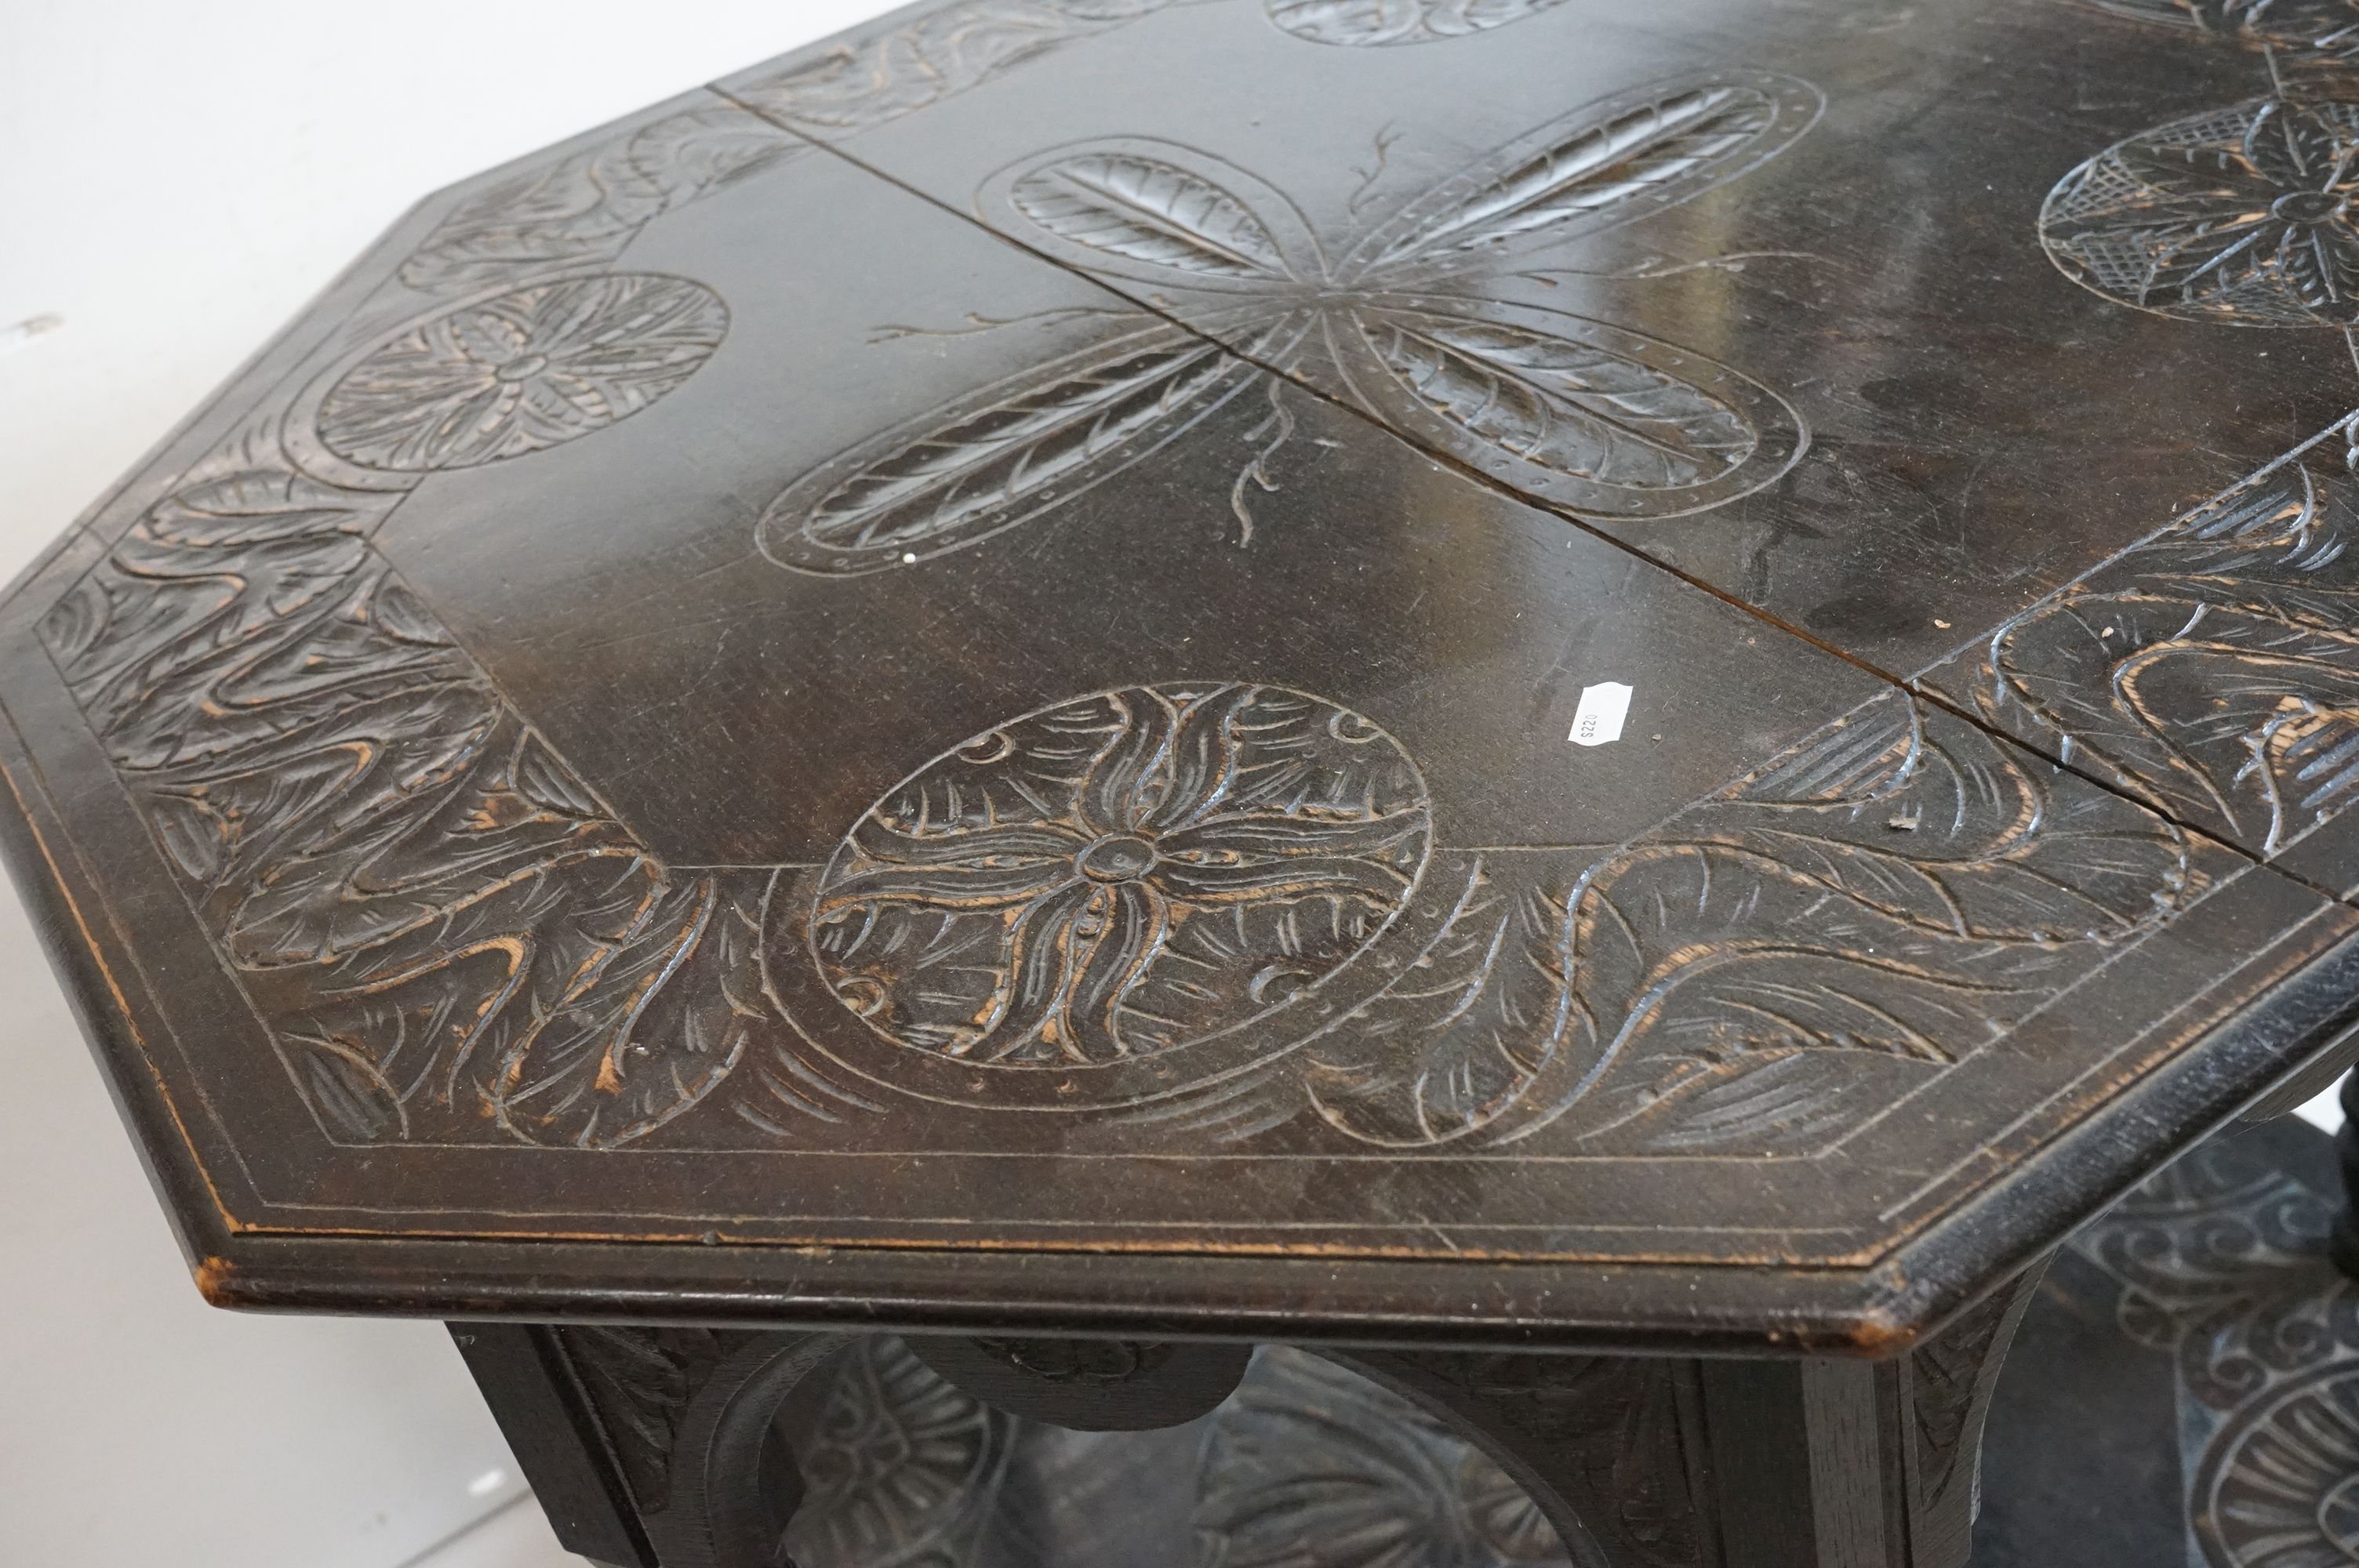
(1203, 914)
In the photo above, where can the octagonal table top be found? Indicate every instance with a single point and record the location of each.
(1530, 671)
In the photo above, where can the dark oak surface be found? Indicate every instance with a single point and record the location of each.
(2183, 1389)
(938, 688)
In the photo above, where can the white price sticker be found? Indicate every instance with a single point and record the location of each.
(1598, 721)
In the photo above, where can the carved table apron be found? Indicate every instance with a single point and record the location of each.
(1585, 714)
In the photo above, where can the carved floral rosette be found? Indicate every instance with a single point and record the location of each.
(2221, 1265)
(1205, 912)
(1212, 908)
(1088, 893)
(2240, 216)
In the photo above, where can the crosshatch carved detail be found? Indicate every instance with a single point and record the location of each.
(1374, 23)
(2221, 1265)
(1568, 409)
(2239, 215)
(1121, 874)
(521, 371)
(2212, 668)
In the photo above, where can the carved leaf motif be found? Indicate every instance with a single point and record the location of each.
(1146, 209)
(892, 70)
(1001, 455)
(639, 1381)
(1451, 1047)
(1612, 162)
(1372, 23)
(1782, 957)
(1569, 406)
(2210, 669)
(444, 930)
(587, 207)
(1308, 1452)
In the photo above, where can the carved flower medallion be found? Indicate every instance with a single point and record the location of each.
(2239, 215)
(2277, 1488)
(1120, 875)
(899, 1466)
(520, 371)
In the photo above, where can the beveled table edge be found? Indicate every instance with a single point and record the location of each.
(1877, 1310)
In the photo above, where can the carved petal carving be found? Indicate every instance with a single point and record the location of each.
(1614, 162)
(1589, 404)
(1571, 410)
(900, 1467)
(2239, 215)
(2281, 1488)
(1121, 874)
(2220, 1264)
(1001, 455)
(521, 371)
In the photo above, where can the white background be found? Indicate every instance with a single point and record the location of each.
(176, 181)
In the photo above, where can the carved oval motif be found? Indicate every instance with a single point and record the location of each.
(521, 371)
(1120, 875)
(2275, 1486)
(1370, 23)
(2240, 215)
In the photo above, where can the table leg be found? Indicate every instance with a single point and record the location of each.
(2343, 1247)
(1661, 1463)
(661, 1447)
(651, 1447)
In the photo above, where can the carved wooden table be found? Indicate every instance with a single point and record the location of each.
(1596, 708)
